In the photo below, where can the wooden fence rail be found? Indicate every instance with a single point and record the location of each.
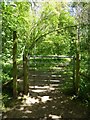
(48, 57)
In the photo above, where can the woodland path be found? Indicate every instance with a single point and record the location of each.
(45, 100)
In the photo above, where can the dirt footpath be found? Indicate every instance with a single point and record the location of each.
(45, 101)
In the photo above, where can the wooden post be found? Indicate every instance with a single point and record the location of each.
(88, 42)
(14, 64)
(25, 73)
(77, 80)
(77, 84)
(74, 72)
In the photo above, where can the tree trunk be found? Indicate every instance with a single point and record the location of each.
(14, 64)
(25, 73)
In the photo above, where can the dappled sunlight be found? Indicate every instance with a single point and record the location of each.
(55, 116)
(56, 81)
(41, 89)
(29, 100)
(38, 91)
(56, 68)
(27, 111)
(54, 85)
(45, 99)
(47, 105)
(24, 116)
(21, 108)
(56, 75)
(65, 101)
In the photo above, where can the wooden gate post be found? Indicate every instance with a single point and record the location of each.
(77, 72)
(14, 64)
(77, 83)
(74, 72)
(25, 73)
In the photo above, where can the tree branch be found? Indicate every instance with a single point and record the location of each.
(43, 35)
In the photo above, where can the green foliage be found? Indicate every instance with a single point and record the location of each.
(7, 72)
(53, 45)
(84, 93)
(15, 17)
(44, 31)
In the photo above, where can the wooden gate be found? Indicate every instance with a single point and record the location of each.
(46, 73)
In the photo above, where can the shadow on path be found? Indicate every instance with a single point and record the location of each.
(46, 101)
